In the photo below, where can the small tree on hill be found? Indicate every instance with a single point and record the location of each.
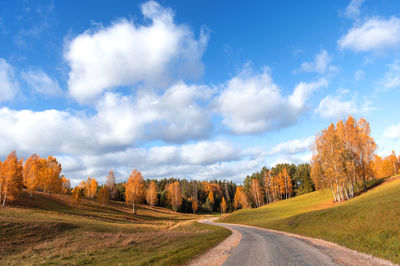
(134, 189)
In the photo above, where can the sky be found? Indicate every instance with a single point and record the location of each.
(193, 89)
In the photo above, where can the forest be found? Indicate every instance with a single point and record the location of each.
(344, 160)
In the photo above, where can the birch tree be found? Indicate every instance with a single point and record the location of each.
(12, 173)
(151, 194)
(134, 189)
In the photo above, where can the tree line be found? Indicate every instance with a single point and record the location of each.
(44, 175)
(281, 182)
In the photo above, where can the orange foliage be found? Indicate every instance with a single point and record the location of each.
(11, 178)
(103, 195)
(174, 195)
(342, 157)
(240, 200)
(134, 189)
(256, 192)
(223, 205)
(151, 194)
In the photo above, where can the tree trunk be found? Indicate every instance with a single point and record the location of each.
(5, 193)
(133, 207)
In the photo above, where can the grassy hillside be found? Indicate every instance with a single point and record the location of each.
(42, 230)
(369, 223)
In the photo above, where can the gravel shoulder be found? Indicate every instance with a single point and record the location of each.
(219, 254)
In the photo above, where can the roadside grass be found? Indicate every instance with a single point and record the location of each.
(53, 230)
(369, 223)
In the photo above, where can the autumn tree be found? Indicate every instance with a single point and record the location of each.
(12, 178)
(195, 205)
(90, 188)
(49, 171)
(111, 185)
(343, 157)
(174, 195)
(103, 195)
(211, 197)
(256, 193)
(134, 189)
(151, 194)
(223, 205)
(77, 194)
(93, 188)
(286, 183)
(31, 174)
(195, 202)
(240, 199)
(65, 185)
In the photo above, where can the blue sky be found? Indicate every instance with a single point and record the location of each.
(192, 89)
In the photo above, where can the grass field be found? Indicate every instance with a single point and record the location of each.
(369, 223)
(55, 231)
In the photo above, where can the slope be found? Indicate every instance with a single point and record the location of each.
(56, 231)
(369, 223)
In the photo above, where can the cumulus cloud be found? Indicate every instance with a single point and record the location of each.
(119, 122)
(125, 54)
(393, 132)
(295, 159)
(337, 107)
(201, 160)
(9, 87)
(375, 34)
(253, 103)
(175, 116)
(293, 146)
(41, 83)
(353, 9)
(320, 64)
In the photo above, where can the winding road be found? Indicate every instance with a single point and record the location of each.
(258, 246)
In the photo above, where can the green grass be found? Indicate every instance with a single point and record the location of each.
(55, 231)
(369, 223)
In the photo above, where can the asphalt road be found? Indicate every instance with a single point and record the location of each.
(261, 247)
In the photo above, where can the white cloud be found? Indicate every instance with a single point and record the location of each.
(359, 75)
(252, 103)
(392, 76)
(375, 34)
(393, 132)
(293, 159)
(175, 116)
(353, 9)
(127, 54)
(293, 146)
(9, 87)
(41, 83)
(335, 107)
(320, 64)
(120, 121)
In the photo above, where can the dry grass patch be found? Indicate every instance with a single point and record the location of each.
(53, 230)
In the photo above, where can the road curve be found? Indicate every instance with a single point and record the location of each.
(260, 246)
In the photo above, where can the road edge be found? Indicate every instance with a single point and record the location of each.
(218, 254)
(326, 247)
